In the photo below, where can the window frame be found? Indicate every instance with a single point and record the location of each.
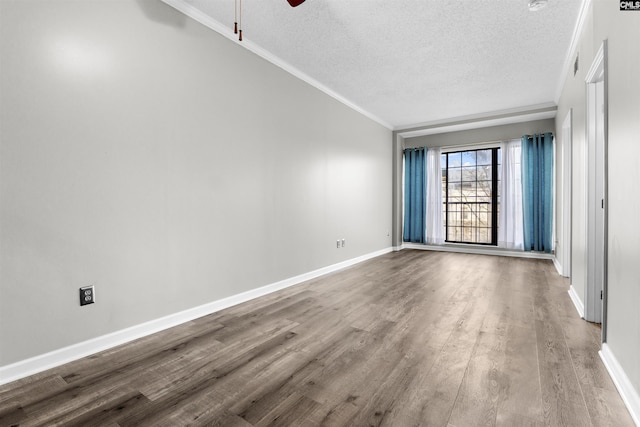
(495, 190)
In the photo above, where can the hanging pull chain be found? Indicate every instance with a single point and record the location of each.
(240, 31)
(235, 17)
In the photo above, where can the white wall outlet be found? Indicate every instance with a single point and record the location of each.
(338, 244)
(343, 242)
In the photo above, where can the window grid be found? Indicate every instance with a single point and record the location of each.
(470, 181)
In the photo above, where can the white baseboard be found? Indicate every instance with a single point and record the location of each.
(577, 303)
(477, 249)
(559, 268)
(628, 393)
(24, 368)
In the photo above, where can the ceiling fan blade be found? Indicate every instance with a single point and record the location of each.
(295, 3)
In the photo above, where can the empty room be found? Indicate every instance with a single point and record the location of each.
(319, 212)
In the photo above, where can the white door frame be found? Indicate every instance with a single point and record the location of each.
(596, 289)
(567, 190)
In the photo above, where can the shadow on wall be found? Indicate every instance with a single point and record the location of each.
(162, 13)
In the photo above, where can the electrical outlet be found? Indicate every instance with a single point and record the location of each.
(343, 242)
(87, 295)
(338, 244)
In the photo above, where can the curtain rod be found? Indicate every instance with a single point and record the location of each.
(539, 133)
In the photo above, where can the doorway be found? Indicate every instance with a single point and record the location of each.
(596, 124)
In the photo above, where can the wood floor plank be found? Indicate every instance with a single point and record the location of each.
(380, 408)
(12, 415)
(562, 400)
(605, 408)
(410, 338)
(482, 384)
(126, 356)
(295, 409)
(508, 419)
(199, 391)
(32, 392)
(429, 398)
(223, 419)
(107, 410)
(76, 399)
(522, 394)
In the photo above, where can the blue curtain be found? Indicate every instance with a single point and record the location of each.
(537, 191)
(414, 194)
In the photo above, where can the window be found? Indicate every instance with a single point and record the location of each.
(470, 185)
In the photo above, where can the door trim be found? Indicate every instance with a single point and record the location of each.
(567, 191)
(597, 73)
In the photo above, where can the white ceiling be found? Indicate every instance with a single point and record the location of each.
(407, 63)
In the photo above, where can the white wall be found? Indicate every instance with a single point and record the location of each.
(621, 29)
(145, 154)
(573, 97)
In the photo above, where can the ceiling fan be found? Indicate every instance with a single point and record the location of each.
(238, 29)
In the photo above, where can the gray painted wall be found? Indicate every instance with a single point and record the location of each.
(606, 21)
(479, 135)
(146, 154)
(573, 97)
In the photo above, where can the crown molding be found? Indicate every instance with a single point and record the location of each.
(197, 15)
(476, 121)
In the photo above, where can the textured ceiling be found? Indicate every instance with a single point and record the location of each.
(410, 62)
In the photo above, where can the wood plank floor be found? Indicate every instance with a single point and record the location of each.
(409, 338)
